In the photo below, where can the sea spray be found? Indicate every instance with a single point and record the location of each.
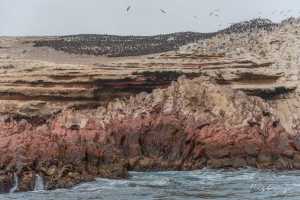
(16, 184)
(39, 183)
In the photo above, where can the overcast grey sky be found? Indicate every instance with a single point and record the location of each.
(57, 17)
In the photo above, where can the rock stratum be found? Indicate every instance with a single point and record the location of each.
(228, 101)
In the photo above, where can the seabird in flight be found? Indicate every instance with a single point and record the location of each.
(128, 8)
(163, 11)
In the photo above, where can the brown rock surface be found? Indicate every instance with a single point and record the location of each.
(73, 118)
(190, 125)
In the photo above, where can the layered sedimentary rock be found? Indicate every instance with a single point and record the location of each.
(190, 125)
(226, 102)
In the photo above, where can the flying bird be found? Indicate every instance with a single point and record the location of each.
(163, 11)
(196, 18)
(215, 13)
(128, 8)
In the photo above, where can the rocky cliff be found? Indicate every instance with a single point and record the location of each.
(229, 101)
(190, 125)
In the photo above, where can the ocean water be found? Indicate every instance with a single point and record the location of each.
(245, 184)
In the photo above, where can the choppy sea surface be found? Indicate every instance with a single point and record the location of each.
(246, 184)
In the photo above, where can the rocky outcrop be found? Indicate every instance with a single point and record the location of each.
(190, 125)
(69, 119)
(251, 26)
(120, 46)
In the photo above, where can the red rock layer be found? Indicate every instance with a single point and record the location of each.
(190, 125)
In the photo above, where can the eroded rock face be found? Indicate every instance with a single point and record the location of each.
(190, 125)
(88, 117)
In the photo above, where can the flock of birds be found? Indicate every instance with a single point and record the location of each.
(161, 10)
(217, 13)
